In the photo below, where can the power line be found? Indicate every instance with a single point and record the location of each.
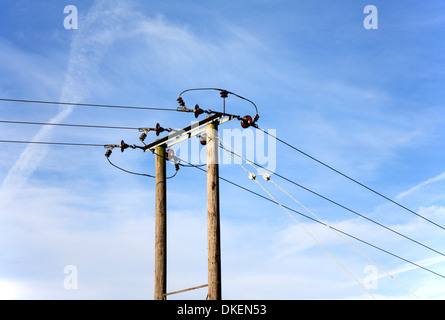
(83, 145)
(139, 174)
(354, 247)
(353, 180)
(342, 206)
(67, 125)
(87, 104)
(54, 143)
(166, 109)
(268, 178)
(318, 221)
(252, 176)
(238, 186)
(107, 155)
(127, 171)
(222, 94)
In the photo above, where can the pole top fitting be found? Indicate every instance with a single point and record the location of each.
(224, 93)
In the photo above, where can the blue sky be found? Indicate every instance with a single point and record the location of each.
(367, 102)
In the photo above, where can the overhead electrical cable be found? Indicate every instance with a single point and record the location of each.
(87, 104)
(268, 178)
(67, 125)
(166, 109)
(346, 208)
(338, 234)
(247, 190)
(127, 171)
(252, 177)
(81, 145)
(124, 146)
(317, 221)
(351, 179)
(54, 143)
(137, 173)
(316, 240)
(222, 91)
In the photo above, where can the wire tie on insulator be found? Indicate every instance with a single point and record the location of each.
(252, 176)
(110, 147)
(144, 133)
(143, 136)
(182, 106)
(146, 130)
(185, 109)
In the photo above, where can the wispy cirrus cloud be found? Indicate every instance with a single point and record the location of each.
(130, 55)
(421, 185)
(88, 46)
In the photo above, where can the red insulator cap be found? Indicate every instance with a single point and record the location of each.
(203, 139)
(123, 146)
(198, 111)
(246, 122)
(159, 129)
(224, 94)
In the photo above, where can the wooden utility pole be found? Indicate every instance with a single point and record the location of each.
(213, 218)
(210, 126)
(161, 225)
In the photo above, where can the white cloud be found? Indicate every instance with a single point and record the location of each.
(111, 241)
(87, 49)
(421, 185)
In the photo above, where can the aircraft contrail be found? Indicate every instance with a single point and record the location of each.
(89, 43)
